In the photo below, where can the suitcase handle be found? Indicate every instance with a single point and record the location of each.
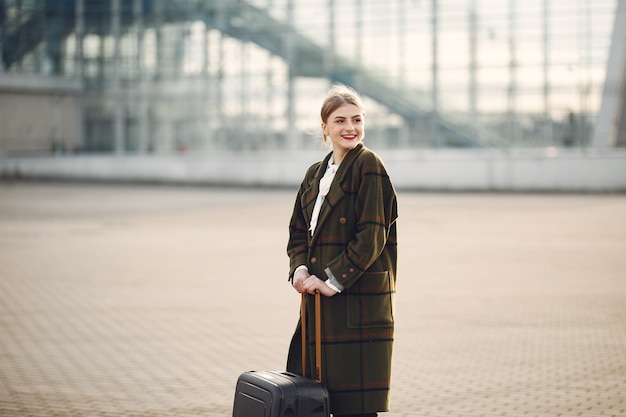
(318, 336)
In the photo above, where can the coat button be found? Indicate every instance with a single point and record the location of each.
(344, 276)
(351, 270)
(343, 220)
(313, 260)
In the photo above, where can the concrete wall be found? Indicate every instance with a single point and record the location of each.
(38, 114)
(532, 170)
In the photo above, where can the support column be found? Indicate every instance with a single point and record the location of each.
(402, 16)
(159, 136)
(219, 92)
(80, 68)
(118, 115)
(291, 134)
(473, 68)
(358, 5)
(402, 32)
(203, 125)
(141, 96)
(610, 127)
(53, 22)
(547, 117)
(329, 58)
(2, 34)
(434, 134)
(512, 132)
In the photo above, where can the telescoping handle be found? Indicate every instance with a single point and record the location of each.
(318, 336)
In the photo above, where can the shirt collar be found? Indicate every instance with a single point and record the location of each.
(331, 166)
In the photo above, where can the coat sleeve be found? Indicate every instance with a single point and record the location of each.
(298, 244)
(376, 211)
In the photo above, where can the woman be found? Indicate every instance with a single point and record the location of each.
(342, 243)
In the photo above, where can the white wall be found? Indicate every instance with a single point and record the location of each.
(444, 170)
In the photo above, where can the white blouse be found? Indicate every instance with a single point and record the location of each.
(325, 182)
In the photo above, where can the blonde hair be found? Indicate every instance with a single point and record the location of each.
(337, 96)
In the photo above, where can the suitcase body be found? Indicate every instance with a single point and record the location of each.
(279, 394)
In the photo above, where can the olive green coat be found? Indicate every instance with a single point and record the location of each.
(356, 238)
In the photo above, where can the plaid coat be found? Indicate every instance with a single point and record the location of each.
(356, 238)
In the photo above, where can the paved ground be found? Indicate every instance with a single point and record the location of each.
(139, 301)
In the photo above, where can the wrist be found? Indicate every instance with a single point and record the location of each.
(301, 268)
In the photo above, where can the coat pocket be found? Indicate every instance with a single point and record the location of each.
(370, 301)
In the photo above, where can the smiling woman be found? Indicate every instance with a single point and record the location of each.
(342, 244)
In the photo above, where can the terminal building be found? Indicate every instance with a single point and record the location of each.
(198, 76)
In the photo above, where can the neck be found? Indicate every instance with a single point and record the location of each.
(338, 156)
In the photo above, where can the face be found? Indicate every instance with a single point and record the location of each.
(345, 128)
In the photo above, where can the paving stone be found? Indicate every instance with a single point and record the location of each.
(150, 301)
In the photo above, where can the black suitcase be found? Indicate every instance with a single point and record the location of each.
(278, 394)
(284, 394)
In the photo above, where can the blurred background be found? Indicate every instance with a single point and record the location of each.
(204, 77)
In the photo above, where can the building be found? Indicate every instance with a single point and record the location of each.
(196, 76)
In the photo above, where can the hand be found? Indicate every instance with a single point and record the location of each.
(313, 284)
(298, 279)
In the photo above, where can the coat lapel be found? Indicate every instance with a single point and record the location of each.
(335, 194)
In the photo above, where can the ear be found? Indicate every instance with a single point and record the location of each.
(324, 129)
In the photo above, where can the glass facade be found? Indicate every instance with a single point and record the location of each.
(163, 76)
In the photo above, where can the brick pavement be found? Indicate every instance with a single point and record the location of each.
(139, 301)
